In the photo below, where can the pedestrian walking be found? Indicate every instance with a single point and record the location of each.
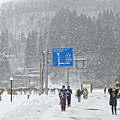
(59, 96)
(15, 94)
(113, 99)
(85, 93)
(79, 93)
(76, 93)
(105, 90)
(82, 93)
(63, 95)
(69, 92)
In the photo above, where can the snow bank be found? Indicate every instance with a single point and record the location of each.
(26, 108)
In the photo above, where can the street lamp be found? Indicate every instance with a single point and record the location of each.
(11, 79)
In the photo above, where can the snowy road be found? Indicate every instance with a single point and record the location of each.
(46, 107)
(94, 108)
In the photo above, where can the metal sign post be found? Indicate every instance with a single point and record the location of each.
(46, 72)
(68, 76)
(63, 57)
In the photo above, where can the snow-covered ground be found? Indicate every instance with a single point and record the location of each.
(46, 107)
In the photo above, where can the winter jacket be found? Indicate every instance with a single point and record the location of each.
(79, 93)
(110, 90)
(85, 92)
(63, 94)
(69, 92)
(113, 97)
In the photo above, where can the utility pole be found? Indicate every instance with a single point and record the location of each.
(40, 79)
(42, 72)
(46, 72)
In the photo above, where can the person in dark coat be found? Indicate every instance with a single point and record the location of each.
(79, 93)
(63, 95)
(105, 90)
(113, 99)
(69, 92)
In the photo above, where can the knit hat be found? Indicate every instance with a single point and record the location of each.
(113, 89)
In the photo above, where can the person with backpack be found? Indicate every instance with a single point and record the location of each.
(85, 93)
(113, 99)
(63, 96)
(69, 92)
(79, 93)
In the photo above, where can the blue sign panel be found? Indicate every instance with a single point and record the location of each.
(62, 56)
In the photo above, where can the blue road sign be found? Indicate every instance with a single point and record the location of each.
(62, 56)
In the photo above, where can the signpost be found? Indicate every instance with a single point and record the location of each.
(79, 63)
(62, 57)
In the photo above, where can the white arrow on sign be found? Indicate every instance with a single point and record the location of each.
(59, 60)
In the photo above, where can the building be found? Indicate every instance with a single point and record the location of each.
(95, 84)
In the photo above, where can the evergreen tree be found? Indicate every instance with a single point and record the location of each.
(4, 48)
(93, 37)
(41, 45)
(27, 51)
(23, 39)
(31, 50)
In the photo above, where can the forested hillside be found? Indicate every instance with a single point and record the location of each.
(91, 27)
(98, 38)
